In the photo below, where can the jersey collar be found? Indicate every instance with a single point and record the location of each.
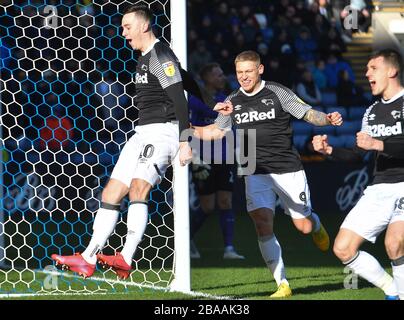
(262, 85)
(394, 98)
(149, 48)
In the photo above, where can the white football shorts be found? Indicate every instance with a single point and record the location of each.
(147, 154)
(380, 205)
(292, 189)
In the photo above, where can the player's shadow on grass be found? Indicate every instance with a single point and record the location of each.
(269, 282)
(325, 287)
(312, 289)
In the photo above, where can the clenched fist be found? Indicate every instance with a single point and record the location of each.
(320, 144)
(335, 118)
(185, 153)
(366, 142)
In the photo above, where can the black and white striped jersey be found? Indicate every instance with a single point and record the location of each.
(156, 70)
(383, 120)
(269, 112)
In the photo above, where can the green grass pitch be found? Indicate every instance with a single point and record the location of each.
(313, 275)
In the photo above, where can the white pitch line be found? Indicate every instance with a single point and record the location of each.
(195, 294)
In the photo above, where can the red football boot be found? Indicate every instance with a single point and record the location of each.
(75, 263)
(116, 263)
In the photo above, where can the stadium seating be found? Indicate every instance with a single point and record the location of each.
(349, 140)
(336, 141)
(302, 127)
(299, 141)
(356, 113)
(349, 127)
(324, 130)
(329, 99)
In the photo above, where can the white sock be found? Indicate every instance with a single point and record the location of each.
(317, 223)
(370, 269)
(398, 274)
(137, 221)
(272, 253)
(104, 223)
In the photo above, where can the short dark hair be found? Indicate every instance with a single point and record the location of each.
(392, 57)
(141, 10)
(206, 69)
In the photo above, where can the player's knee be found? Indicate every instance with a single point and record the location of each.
(342, 251)
(394, 247)
(263, 225)
(111, 195)
(139, 190)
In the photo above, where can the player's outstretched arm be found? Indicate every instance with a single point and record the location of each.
(319, 118)
(321, 145)
(210, 132)
(225, 108)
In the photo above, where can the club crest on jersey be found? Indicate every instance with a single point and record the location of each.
(144, 67)
(237, 107)
(372, 117)
(169, 68)
(396, 114)
(267, 102)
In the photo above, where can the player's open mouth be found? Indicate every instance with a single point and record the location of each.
(372, 83)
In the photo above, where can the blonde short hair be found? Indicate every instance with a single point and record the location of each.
(248, 56)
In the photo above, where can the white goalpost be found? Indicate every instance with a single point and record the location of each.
(67, 110)
(182, 267)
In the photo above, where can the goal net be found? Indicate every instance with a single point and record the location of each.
(67, 109)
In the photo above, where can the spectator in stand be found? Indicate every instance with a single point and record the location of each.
(332, 69)
(307, 90)
(302, 12)
(207, 29)
(199, 57)
(320, 27)
(276, 73)
(362, 9)
(227, 64)
(238, 44)
(331, 42)
(283, 48)
(319, 76)
(306, 46)
(263, 50)
(349, 94)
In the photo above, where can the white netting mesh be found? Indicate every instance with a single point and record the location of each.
(67, 110)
